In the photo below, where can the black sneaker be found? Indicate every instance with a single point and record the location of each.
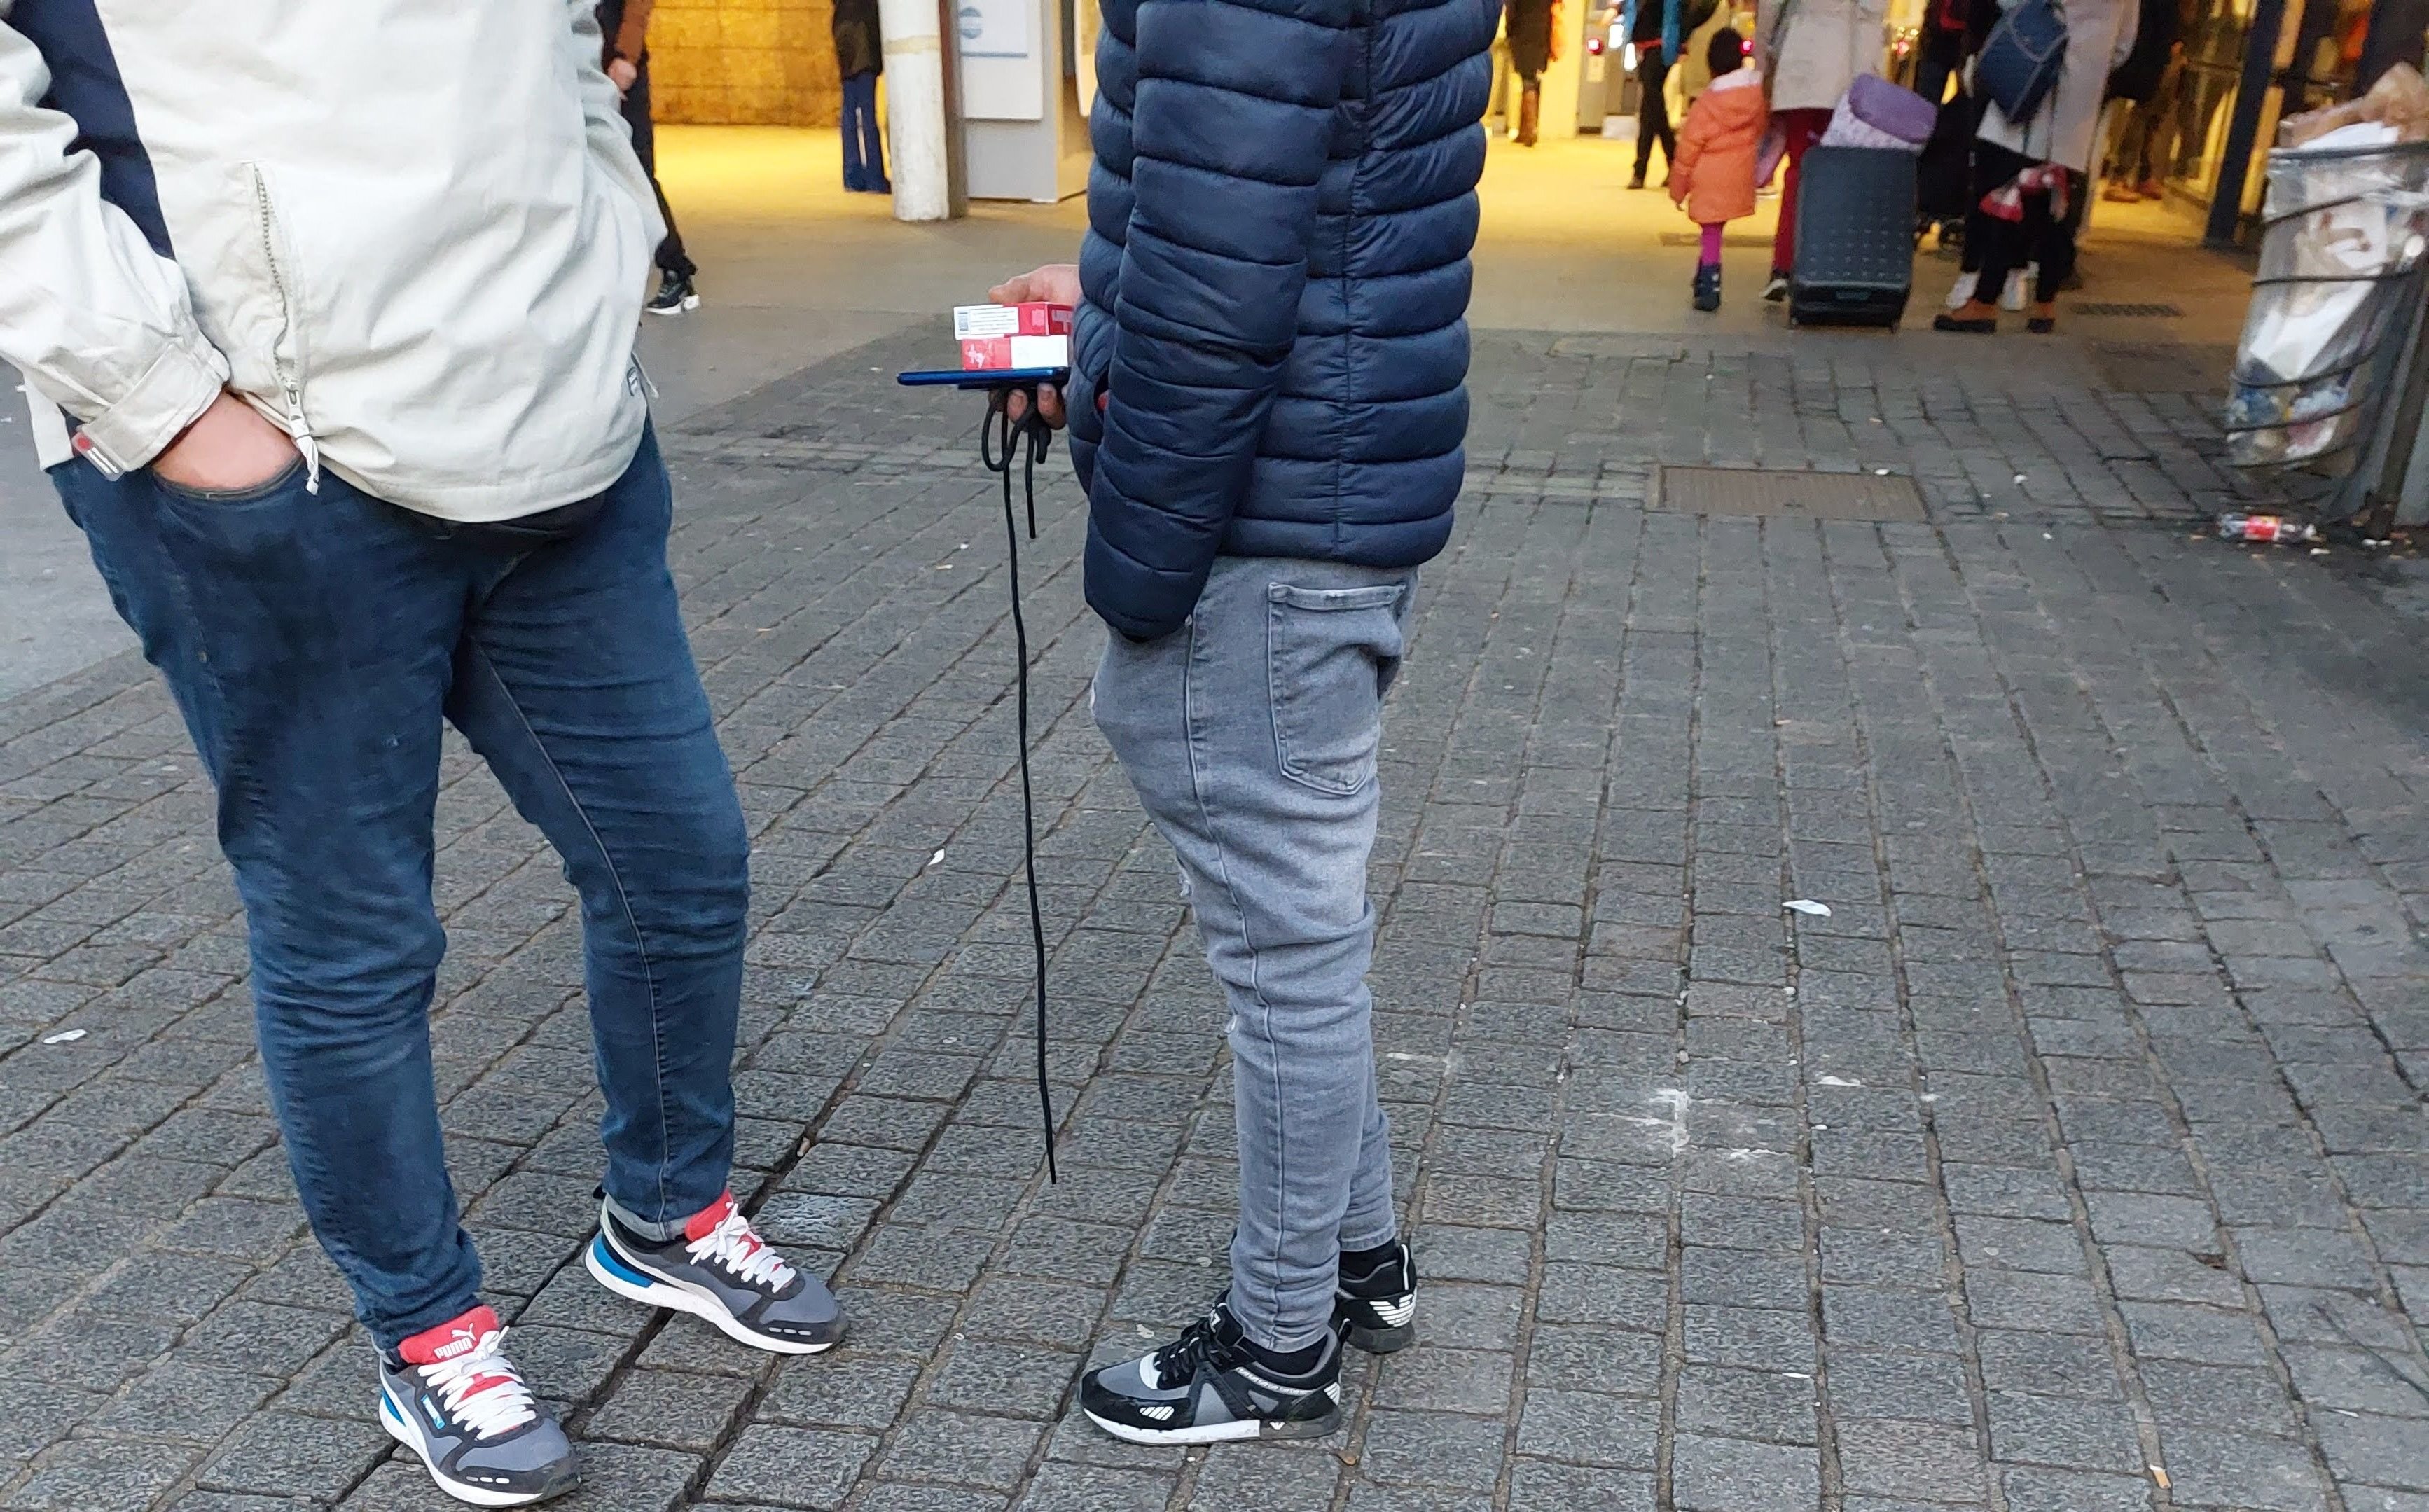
(1211, 1385)
(675, 296)
(1776, 290)
(1378, 1311)
(719, 1270)
(454, 1399)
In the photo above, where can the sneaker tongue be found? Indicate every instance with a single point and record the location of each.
(704, 1221)
(457, 1337)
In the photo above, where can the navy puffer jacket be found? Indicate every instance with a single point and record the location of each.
(1276, 276)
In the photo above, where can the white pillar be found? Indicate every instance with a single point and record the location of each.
(915, 110)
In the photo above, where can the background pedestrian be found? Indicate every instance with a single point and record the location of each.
(860, 58)
(1534, 32)
(1653, 28)
(625, 27)
(1714, 175)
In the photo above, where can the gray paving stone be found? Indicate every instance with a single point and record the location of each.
(1585, 1428)
(1615, 729)
(1540, 1487)
(1936, 1461)
(619, 1476)
(987, 1375)
(935, 1445)
(1433, 1449)
(2069, 1432)
(2208, 1467)
(1445, 1380)
(1770, 1405)
(76, 1478)
(1731, 1475)
(1068, 1488)
(790, 1467)
(311, 1457)
(2029, 1490)
(670, 1409)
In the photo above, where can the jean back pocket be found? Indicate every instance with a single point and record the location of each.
(1331, 654)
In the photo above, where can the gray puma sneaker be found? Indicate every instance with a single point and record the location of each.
(454, 1399)
(719, 1270)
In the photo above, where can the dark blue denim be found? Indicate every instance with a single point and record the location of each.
(316, 643)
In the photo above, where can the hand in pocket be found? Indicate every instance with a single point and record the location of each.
(228, 448)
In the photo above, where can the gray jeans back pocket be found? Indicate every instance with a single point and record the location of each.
(1329, 655)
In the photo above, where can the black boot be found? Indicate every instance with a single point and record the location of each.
(1708, 287)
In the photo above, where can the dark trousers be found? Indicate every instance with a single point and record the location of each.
(2042, 237)
(1943, 55)
(317, 643)
(2146, 149)
(1653, 111)
(864, 148)
(644, 142)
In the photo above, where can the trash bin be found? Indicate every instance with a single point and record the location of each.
(2334, 304)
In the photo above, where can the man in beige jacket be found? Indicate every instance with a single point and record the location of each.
(332, 361)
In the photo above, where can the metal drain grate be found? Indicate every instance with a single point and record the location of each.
(1789, 495)
(2127, 311)
(1690, 238)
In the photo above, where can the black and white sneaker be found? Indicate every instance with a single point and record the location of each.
(675, 295)
(452, 1398)
(1776, 290)
(717, 1268)
(1376, 1310)
(1212, 1385)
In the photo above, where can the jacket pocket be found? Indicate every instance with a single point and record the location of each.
(1329, 655)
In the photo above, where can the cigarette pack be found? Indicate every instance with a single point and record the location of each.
(995, 354)
(1010, 320)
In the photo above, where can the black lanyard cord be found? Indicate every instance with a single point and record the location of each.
(999, 440)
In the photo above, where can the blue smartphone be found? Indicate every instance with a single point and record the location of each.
(988, 378)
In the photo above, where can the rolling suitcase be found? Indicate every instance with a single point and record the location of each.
(1854, 236)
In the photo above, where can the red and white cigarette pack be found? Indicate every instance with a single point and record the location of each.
(996, 336)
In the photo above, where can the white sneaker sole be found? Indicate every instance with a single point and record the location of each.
(691, 302)
(475, 1495)
(661, 1293)
(1218, 1433)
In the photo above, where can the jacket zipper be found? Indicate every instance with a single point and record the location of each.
(289, 385)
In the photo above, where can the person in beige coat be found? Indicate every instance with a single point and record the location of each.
(2030, 178)
(1811, 50)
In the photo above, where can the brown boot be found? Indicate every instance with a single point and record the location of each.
(1529, 106)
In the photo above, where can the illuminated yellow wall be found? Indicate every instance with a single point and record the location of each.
(744, 62)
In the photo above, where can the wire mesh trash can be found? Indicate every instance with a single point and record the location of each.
(2341, 268)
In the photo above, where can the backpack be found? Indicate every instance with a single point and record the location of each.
(2022, 60)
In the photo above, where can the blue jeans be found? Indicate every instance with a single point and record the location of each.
(315, 643)
(864, 149)
(1250, 735)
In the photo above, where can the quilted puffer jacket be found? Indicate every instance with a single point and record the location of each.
(1276, 281)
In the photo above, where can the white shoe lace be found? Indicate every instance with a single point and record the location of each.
(481, 1389)
(733, 1245)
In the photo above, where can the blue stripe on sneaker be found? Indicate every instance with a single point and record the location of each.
(615, 1266)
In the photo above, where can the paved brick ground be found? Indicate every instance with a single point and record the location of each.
(2075, 1163)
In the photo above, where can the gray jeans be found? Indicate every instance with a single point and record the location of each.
(1251, 734)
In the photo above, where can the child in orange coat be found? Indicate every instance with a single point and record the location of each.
(1714, 174)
